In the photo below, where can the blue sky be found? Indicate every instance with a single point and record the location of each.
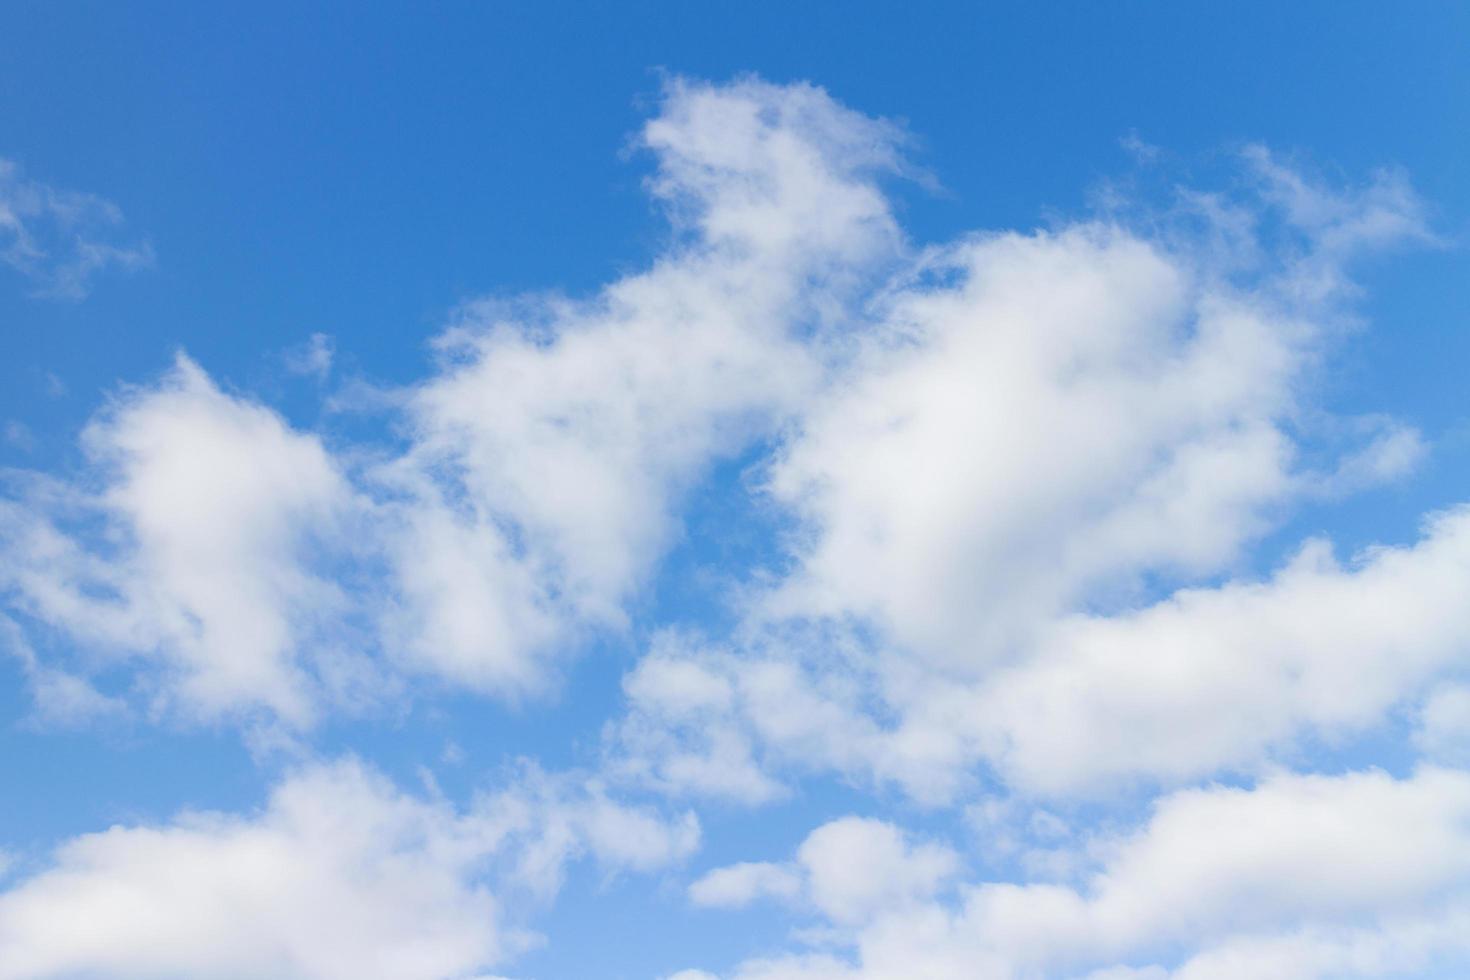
(656, 490)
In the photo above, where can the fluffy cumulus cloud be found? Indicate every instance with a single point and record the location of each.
(1213, 678)
(552, 448)
(1008, 493)
(545, 457)
(732, 723)
(1038, 420)
(210, 504)
(1229, 677)
(341, 875)
(1029, 440)
(1295, 877)
(850, 870)
(59, 240)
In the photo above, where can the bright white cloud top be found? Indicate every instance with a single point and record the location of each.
(1018, 589)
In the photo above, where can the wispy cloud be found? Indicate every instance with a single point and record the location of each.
(312, 358)
(61, 240)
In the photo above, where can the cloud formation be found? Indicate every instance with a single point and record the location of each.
(1224, 678)
(545, 456)
(341, 875)
(1015, 499)
(210, 504)
(1299, 876)
(1009, 491)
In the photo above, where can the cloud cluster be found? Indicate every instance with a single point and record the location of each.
(1230, 677)
(1009, 490)
(1297, 877)
(1014, 503)
(543, 464)
(341, 875)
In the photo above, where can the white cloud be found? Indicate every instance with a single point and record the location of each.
(545, 458)
(463, 608)
(1229, 677)
(730, 723)
(858, 867)
(340, 876)
(1035, 433)
(1214, 862)
(1041, 420)
(210, 505)
(682, 732)
(1214, 678)
(559, 435)
(1443, 729)
(60, 240)
(1300, 876)
(848, 870)
(1394, 452)
(1406, 946)
(554, 819)
(60, 699)
(737, 885)
(313, 358)
(1014, 428)
(1014, 478)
